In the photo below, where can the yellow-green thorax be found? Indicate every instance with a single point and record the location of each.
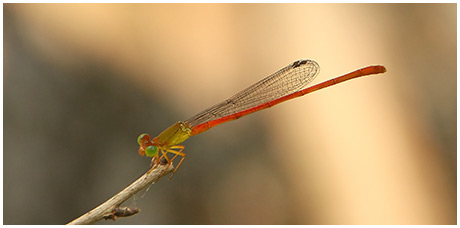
(173, 135)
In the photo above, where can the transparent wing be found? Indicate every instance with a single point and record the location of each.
(289, 79)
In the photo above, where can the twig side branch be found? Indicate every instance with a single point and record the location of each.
(98, 213)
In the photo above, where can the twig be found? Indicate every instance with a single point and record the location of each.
(107, 208)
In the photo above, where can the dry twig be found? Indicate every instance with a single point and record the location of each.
(107, 208)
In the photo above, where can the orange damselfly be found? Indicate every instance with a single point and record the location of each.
(285, 84)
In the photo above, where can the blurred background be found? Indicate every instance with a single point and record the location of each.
(82, 81)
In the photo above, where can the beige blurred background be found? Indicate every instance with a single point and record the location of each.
(82, 81)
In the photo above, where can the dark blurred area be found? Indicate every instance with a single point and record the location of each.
(82, 81)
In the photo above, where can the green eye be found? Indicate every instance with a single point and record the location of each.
(151, 151)
(139, 139)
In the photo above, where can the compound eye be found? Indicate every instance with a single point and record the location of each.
(151, 151)
(143, 138)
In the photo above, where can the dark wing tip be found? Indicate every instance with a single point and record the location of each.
(299, 63)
